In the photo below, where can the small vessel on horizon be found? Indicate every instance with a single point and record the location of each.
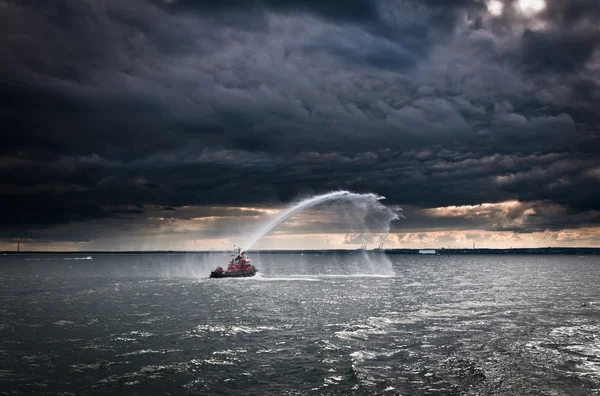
(239, 267)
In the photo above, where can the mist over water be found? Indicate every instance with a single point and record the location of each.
(311, 265)
(361, 216)
(199, 265)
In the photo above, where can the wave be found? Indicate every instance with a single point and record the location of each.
(308, 278)
(315, 277)
(78, 258)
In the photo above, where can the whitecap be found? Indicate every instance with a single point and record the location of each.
(230, 352)
(195, 363)
(361, 356)
(78, 258)
(270, 350)
(231, 330)
(151, 352)
(63, 323)
(142, 334)
(328, 345)
(334, 379)
(288, 278)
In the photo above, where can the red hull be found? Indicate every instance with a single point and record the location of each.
(239, 267)
(233, 274)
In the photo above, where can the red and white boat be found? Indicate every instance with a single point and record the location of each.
(239, 266)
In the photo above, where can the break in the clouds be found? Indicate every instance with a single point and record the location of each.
(170, 121)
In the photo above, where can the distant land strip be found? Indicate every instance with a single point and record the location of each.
(442, 251)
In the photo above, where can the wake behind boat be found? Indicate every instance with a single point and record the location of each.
(239, 267)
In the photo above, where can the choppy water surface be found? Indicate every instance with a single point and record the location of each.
(308, 325)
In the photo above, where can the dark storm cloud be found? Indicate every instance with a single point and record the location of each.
(346, 10)
(109, 107)
(558, 52)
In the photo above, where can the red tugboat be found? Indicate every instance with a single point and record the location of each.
(239, 266)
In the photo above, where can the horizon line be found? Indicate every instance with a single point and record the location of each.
(385, 250)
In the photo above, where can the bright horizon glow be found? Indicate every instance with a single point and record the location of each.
(480, 210)
(453, 239)
(194, 228)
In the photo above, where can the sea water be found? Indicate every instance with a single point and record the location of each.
(307, 325)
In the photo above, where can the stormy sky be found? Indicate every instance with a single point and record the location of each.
(165, 124)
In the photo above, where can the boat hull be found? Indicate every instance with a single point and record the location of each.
(233, 274)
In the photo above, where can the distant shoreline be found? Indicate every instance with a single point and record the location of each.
(538, 251)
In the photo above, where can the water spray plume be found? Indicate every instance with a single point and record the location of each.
(318, 199)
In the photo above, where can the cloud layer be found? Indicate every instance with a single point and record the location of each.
(110, 108)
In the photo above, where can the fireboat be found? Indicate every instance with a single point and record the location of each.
(239, 267)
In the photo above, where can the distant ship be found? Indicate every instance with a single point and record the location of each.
(239, 267)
